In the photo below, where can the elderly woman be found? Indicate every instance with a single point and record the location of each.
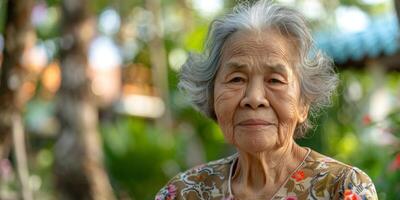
(259, 79)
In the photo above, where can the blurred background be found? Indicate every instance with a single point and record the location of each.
(89, 107)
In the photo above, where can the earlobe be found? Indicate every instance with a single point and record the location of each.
(303, 113)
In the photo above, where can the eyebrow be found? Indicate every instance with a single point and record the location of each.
(236, 65)
(279, 68)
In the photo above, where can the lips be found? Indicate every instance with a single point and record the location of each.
(255, 122)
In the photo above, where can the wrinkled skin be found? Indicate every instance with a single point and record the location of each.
(257, 105)
(257, 81)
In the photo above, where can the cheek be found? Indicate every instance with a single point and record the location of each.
(285, 104)
(225, 103)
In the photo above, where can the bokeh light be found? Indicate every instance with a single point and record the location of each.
(177, 58)
(351, 19)
(109, 22)
(208, 8)
(104, 54)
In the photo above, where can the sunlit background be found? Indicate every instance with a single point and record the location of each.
(148, 129)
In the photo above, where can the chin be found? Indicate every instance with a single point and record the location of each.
(256, 146)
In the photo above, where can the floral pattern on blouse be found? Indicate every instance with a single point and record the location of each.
(319, 177)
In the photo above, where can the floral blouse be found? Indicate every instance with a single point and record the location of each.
(318, 177)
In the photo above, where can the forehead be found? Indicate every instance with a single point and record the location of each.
(266, 44)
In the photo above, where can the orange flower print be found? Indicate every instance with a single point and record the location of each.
(350, 195)
(298, 176)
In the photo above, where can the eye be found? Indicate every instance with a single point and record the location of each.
(275, 81)
(237, 79)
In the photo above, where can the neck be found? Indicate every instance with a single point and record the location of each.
(267, 171)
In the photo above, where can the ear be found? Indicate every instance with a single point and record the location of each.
(303, 112)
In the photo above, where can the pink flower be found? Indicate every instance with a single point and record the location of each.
(171, 192)
(167, 193)
(291, 198)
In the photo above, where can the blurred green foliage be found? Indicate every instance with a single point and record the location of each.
(346, 131)
(136, 153)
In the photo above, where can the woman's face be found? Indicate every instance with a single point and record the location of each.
(256, 92)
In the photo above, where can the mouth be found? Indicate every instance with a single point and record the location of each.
(255, 123)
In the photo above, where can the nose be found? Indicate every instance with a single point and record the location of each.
(255, 96)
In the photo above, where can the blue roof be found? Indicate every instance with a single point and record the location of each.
(381, 37)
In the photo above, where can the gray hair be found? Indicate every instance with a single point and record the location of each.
(315, 71)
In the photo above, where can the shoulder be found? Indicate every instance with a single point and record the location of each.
(341, 180)
(208, 179)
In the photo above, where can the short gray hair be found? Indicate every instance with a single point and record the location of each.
(315, 71)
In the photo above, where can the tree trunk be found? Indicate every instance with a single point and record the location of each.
(79, 168)
(158, 59)
(13, 75)
(188, 22)
(397, 8)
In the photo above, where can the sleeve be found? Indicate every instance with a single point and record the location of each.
(356, 185)
(171, 190)
(168, 192)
